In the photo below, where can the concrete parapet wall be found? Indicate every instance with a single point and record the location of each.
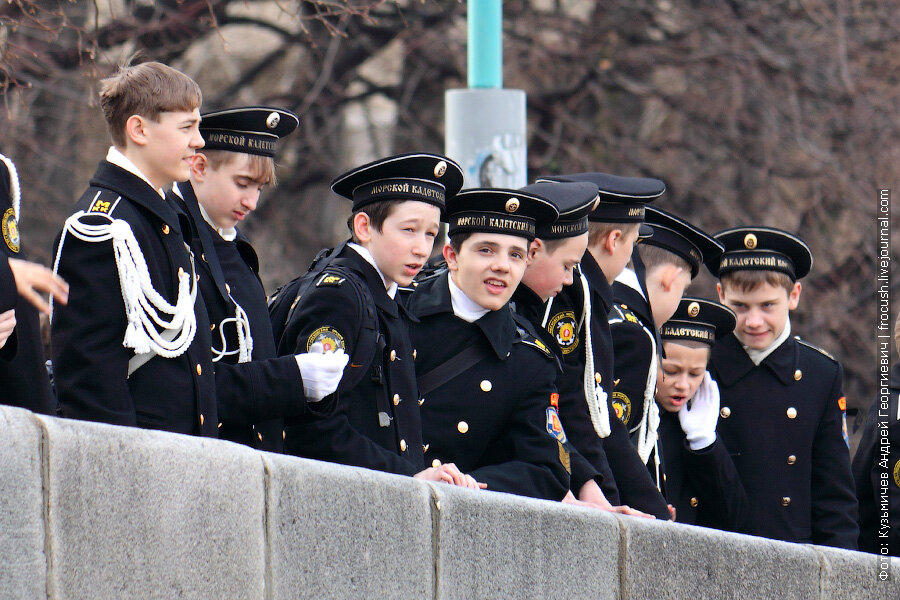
(95, 511)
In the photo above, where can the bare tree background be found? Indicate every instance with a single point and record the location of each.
(776, 113)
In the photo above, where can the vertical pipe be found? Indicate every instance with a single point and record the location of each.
(485, 50)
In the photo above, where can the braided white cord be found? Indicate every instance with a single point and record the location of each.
(143, 303)
(14, 184)
(245, 338)
(649, 425)
(594, 394)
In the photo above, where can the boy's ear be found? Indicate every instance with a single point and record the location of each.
(199, 166)
(136, 130)
(669, 275)
(362, 227)
(721, 292)
(536, 246)
(794, 296)
(450, 256)
(612, 241)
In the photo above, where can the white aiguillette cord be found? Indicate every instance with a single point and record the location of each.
(15, 190)
(143, 304)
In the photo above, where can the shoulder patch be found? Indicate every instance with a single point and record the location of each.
(816, 348)
(554, 425)
(563, 327)
(330, 280)
(106, 207)
(539, 345)
(329, 337)
(622, 405)
(10, 230)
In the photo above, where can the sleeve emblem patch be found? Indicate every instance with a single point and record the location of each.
(554, 426)
(10, 230)
(562, 327)
(622, 405)
(330, 338)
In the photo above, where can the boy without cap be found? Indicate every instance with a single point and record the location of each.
(350, 305)
(132, 346)
(782, 400)
(490, 403)
(614, 227)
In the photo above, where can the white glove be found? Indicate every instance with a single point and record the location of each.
(699, 417)
(321, 371)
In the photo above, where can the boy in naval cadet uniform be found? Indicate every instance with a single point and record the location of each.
(553, 260)
(351, 305)
(236, 163)
(671, 258)
(23, 368)
(490, 402)
(782, 401)
(614, 226)
(132, 346)
(695, 471)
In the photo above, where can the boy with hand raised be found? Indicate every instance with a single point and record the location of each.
(782, 414)
(349, 303)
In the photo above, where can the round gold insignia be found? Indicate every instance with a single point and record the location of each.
(562, 326)
(622, 405)
(272, 120)
(10, 230)
(329, 337)
(750, 241)
(440, 169)
(897, 473)
(693, 309)
(512, 205)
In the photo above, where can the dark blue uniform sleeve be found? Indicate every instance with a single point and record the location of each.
(8, 291)
(723, 500)
(332, 314)
(632, 354)
(260, 390)
(834, 506)
(90, 362)
(582, 471)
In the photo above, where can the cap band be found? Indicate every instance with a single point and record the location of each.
(676, 244)
(233, 141)
(683, 330)
(562, 229)
(491, 223)
(756, 260)
(617, 212)
(405, 188)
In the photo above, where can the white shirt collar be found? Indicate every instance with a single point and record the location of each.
(757, 356)
(464, 307)
(367, 256)
(227, 234)
(116, 157)
(629, 277)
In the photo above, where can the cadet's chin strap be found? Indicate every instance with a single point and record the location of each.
(594, 393)
(649, 425)
(245, 338)
(143, 304)
(13, 184)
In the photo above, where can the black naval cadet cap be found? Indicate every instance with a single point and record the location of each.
(699, 320)
(762, 249)
(420, 177)
(497, 210)
(622, 199)
(681, 238)
(574, 200)
(247, 129)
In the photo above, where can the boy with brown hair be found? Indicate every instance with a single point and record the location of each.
(132, 346)
(782, 402)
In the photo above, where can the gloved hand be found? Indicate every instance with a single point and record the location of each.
(699, 417)
(321, 371)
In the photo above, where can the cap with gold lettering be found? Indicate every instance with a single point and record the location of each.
(679, 237)
(247, 129)
(622, 199)
(497, 210)
(574, 200)
(699, 320)
(419, 177)
(762, 249)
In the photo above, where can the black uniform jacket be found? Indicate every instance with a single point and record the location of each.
(877, 472)
(633, 333)
(562, 335)
(703, 485)
(782, 423)
(22, 362)
(494, 420)
(633, 484)
(376, 423)
(90, 363)
(229, 273)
